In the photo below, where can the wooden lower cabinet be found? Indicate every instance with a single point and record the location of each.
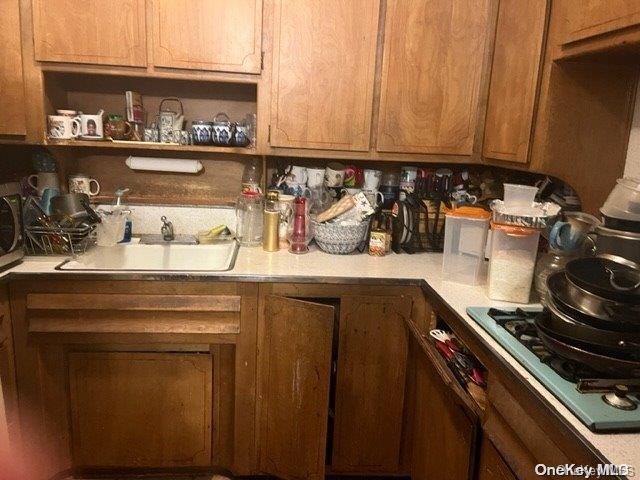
(491, 466)
(135, 375)
(370, 388)
(132, 409)
(297, 363)
(444, 435)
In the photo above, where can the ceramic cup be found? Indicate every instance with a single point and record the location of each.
(315, 177)
(43, 180)
(351, 191)
(371, 179)
(352, 176)
(67, 113)
(151, 135)
(222, 129)
(297, 190)
(334, 175)
(63, 127)
(408, 177)
(201, 132)
(375, 197)
(80, 183)
(297, 175)
(92, 127)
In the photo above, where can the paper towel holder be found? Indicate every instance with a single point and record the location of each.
(154, 164)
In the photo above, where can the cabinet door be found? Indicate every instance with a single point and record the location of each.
(208, 34)
(514, 79)
(90, 31)
(323, 73)
(491, 465)
(297, 362)
(431, 70)
(444, 435)
(140, 409)
(588, 18)
(372, 359)
(12, 118)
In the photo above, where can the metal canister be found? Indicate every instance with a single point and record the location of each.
(270, 241)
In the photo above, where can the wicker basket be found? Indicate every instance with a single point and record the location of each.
(339, 239)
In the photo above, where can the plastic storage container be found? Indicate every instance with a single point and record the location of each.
(519, 195)
(465, 238)
(512, 263)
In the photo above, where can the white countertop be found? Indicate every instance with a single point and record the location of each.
(255, 264)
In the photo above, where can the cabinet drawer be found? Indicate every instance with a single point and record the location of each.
(121, 313)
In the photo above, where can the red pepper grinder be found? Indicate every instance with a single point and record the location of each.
(298, 240)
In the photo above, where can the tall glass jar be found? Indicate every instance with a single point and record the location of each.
(249, 212)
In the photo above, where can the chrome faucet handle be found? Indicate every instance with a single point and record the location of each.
(167, 229)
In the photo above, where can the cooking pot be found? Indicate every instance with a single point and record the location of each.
(620, 243)
(73, 205)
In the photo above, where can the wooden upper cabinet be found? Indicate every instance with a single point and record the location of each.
(323, 73)
(515, 72)
(296, 366)
(12, 113)
(372, 360)
(208, 34)
(431, 72)
(588, 18)
(90, 31)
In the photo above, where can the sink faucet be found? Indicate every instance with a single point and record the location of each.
(167, 230)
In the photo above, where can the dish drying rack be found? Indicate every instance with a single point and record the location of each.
(54, 240)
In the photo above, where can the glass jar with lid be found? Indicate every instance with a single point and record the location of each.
(249, 212)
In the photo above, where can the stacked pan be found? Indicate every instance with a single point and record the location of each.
(592, 315)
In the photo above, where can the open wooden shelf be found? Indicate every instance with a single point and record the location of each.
(151, 146)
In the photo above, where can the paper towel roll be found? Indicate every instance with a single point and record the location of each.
(179, 165)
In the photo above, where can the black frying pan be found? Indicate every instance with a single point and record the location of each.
(610, 366)
(619, 345)
(605, 278)
(595, 311)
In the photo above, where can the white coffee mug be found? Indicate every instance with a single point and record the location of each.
(334, 175)
(375, 197)
(315, 177)
(297, 175)
(43, 180)
(352, 191)
(371, 179)
(81, 183)
(92, 125)
(63, 127)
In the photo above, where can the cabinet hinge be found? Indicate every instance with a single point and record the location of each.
(261, 61)
(269, 135)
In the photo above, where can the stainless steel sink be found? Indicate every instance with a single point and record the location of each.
(168, 257)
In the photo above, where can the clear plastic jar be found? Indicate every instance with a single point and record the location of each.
(512, 263)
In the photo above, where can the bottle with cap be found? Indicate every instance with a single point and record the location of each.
(118, 205)
(271, 223)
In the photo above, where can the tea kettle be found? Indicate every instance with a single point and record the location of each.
(169, 117)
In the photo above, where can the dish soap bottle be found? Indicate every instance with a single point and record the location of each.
(118, 205)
